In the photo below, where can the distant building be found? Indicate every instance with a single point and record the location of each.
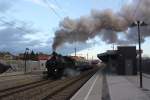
(78, 58)
(42, 58)
(6, 56)
(36, 62)
(21, 56)
(121, 61)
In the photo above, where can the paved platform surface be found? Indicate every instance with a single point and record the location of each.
(122, 89)
(92, 90)
(119, 88)
(136, 81)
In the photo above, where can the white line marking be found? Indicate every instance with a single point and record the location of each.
(73, 98)
(86, 97)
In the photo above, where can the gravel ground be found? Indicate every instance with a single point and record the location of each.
(12, 81)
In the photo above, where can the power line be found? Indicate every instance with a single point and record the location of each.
(11, 24)
(57, 3)
(52, 9)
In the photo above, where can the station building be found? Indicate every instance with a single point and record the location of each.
(121, 61)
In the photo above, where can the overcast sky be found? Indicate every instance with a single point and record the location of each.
(32, 24)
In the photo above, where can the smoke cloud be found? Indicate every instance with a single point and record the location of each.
(107, 24)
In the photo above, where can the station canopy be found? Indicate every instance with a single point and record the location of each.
(110, 54)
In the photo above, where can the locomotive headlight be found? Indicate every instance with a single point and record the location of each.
(55, 70)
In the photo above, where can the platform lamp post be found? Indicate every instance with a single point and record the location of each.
(138, 24)
(25, 59)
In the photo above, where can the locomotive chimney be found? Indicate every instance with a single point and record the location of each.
(54, 53)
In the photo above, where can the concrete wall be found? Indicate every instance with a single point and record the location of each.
(127, 60)
(42, 64)
(19, 65)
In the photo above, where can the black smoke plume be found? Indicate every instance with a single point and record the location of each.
(107, 24)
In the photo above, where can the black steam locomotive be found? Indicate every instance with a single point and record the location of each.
(58, 66)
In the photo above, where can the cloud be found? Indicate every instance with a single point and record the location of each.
(70, 48)
(129, 1)
(5, 5)
(39, 2)
(16, 37)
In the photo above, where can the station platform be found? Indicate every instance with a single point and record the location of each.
(92, 90)
(119, 88)
(122, 89)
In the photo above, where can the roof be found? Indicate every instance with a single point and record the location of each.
(77, 58)
(43, 57)
(105, 56)
(109, 52)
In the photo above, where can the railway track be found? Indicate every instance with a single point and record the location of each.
(45, 89)
(18, 81)
(17, 89)
(65, 91)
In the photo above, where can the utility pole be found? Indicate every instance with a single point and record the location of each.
(87, 56)
(25, 59)
(138, 24)
(92, 58)
(75, 51)
(113, 43)
(113, 46)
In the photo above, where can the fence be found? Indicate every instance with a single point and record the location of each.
(19, 65)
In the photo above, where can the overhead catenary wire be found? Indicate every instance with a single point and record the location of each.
(18, 28)
(60, 7)
(58, 4)
(52, 9)
(135, 9)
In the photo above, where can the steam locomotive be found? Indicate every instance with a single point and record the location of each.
(58, 66)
